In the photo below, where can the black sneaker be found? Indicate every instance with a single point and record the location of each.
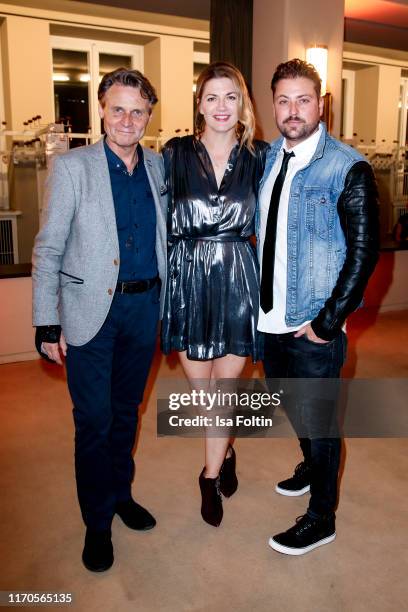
(97, 555)
(298, 484)
(307, 534)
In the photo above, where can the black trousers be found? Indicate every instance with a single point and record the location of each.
(106, 379)
(299, 358)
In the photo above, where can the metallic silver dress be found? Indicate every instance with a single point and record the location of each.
(212, 293)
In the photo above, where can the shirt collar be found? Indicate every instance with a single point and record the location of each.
(306, 148)
(114, 161)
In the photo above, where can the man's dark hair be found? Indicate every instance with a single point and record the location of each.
(295, 68)
(129, 78)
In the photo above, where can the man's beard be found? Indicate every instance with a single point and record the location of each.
(300, 132)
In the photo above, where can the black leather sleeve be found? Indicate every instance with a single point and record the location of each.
(359, 217)
(46, 333)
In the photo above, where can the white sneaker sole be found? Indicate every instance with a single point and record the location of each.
(286, 550)
(288, 493)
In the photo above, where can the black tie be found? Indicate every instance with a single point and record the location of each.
(268, 253)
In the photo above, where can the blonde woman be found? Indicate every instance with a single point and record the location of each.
(212, 294)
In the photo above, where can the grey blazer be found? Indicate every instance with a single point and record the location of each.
(76, 252)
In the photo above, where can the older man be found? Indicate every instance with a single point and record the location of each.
(99, 268)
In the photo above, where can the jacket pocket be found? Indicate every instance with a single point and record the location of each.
(320, 211)
(70, 278)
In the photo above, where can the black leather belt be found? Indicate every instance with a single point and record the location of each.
(136, 286)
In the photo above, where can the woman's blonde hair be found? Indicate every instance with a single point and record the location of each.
(246, 116)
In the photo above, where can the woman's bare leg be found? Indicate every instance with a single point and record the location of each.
(199, 373)
(229, 366)
(196, 370)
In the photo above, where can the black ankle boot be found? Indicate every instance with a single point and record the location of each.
(228, 477)
(211, 502)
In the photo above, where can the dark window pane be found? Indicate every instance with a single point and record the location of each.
(71, 90)
(109, 62)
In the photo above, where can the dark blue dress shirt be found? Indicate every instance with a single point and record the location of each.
(135, 218)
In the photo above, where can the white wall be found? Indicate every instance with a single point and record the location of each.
(16, 331)
(320, 22)
(28, 85)
(366, 103)
(282, 29)
(349, 77)
(387, 104)
(176, 83)
(169, 64)
(377, 91)
(27, 58)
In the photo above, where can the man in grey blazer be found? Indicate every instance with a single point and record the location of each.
(99, 273)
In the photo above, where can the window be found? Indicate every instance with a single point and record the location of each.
(78, 66)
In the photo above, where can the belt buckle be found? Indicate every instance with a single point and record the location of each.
(122, 287)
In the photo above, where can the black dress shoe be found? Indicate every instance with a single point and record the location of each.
(228, 477)
(97, 555)
(211, 501)
(135, 516)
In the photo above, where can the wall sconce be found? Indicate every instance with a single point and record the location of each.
(317, 56)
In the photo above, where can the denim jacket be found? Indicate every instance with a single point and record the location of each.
(317, 243)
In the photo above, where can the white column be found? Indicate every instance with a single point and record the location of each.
(27, 65)
(366, 103)
(168, 64)
(388, 99)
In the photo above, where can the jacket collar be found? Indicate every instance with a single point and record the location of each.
(98, 150)
(276, 146)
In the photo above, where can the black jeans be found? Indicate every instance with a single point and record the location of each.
(288, 357)
(106, 379)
